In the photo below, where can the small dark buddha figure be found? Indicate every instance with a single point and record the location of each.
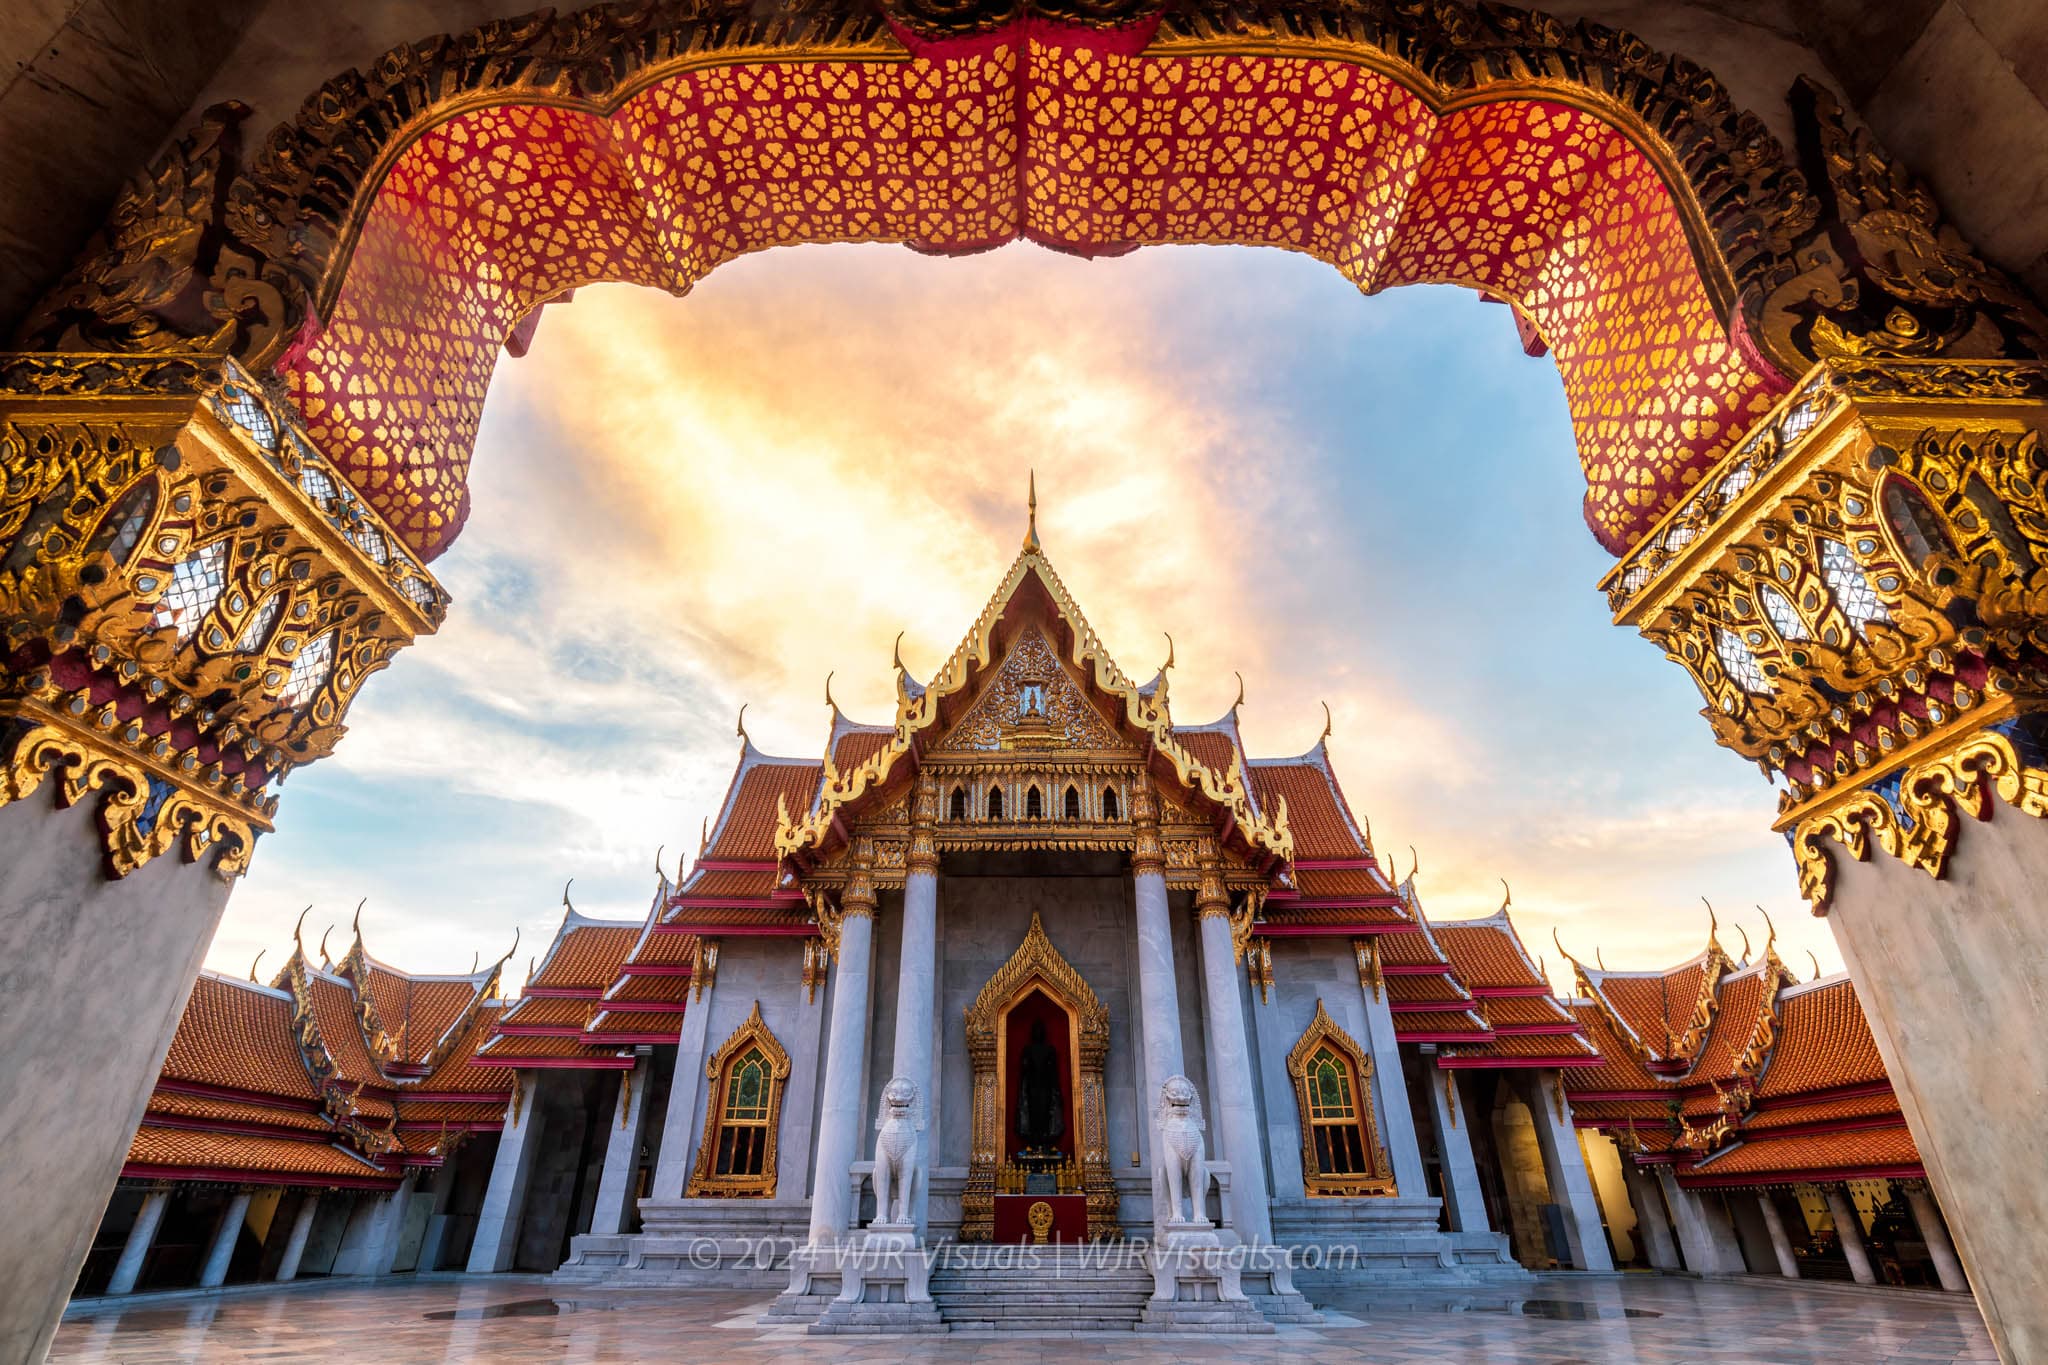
(1041, 1118)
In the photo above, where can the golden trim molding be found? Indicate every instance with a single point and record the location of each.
(1380, 1180)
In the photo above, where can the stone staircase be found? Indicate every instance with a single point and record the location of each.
(1062, 1289)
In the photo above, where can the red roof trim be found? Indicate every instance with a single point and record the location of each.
(198, 1124)
(539, 1030)
(1825, 1176)
(223, 1092)
(1330, 864)
(631, 969)
(558, 1063)
(1506, 1063)
(229, 1175)
(735, 865)
(560, 993)
(714, 930)
(1358, 930)
(1558, 1029)
(1433, 1036)
(1602, 1096)
(622, 1039)
(1513, 992)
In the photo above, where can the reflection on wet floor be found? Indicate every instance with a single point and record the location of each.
(520, 1308)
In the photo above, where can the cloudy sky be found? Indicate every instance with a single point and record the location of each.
(684, 505)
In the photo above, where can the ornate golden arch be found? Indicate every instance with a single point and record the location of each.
(1037, 965)
(1380, 1180)
(703, 1182)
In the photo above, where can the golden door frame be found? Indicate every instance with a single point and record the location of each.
(1037, 965)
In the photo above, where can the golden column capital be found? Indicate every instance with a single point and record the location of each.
(923, 853)
(857, 897)
(1148, 854)
(1210, 896)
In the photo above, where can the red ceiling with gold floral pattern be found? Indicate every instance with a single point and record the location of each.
(494, 211)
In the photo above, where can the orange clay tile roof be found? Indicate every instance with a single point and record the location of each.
(1485, 952)
(1313, 814)
(1438, 1021)
(649, 990)
(664, 950)
(794, 913)
(1526, 1012)
(635, 1022)
(170, 1102)
(1371, 916)
(334, 1010)
(1657, 1005)
(417, 1010)
(455, 1075)
(1213, 748)
(1820, 1111)
(1823, 1042)
(746, 827)
(1619, 1069)
(190, 1149)
(854, 748)
(1405, 950)
(1745, 997)
(239, 1036)
(1532, 1045)
(549, 1011)
(484, 1109)
(503, 1047)
(1414, 990)
(1856, 1149)
(1336, 883)
(732, 884)
(586, 956)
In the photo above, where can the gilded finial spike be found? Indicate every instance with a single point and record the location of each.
(828, 692)
(1328, 725)
(740, 726)
(1772, 928)
(1816, 963)
(258, 962)
(1240, 693)
(355, 925)
(1599, 958)
(1031, 526)
(1713, 923)
(476, 960)
(566, 905)
(1169, 653)
(1745, 941)
(896, 653)
(704, 837)
(509, 951)
(323, 943)
(298, 928)
(659, 871)
(1507, 896)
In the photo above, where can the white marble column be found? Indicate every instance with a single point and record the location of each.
(141, 1237)
(497, 1223)
(369, 1244)
(1564, 1167)
(917, 979)
(1705, 1235)
(295, 1244)
(1158, 993)
(622, 1150)
(1234, 1106)
(225, 1233)
(1849, 1228)
(434, 1245)
(1397, 1116)
(681, 1127)
(840, 1110)
(1658, 1247)
(1463, 1201)
(1934, 1233)
(1781, 1243)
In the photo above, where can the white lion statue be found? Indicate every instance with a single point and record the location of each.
(896, 1128)
(1184, 1171)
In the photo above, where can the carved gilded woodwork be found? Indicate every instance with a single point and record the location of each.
(193, 597)
(1037, 965)
(705, 1180)
(1377, 1177)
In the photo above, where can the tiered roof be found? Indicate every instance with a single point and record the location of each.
(556, 1021)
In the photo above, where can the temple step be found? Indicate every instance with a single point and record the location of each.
(1057, 1294)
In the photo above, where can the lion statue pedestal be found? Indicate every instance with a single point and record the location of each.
(1195, 1264)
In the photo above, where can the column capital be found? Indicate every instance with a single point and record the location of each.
(923, 853)
(1210, 896)
(1148, 854)
(857, 897)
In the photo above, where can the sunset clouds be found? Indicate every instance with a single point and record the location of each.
(684, 506)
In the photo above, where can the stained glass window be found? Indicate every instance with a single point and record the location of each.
(1333, 1113)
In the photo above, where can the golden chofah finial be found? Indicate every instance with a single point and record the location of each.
(704, 837)
(659, 871)
(323, 943)
(1713, 923)
(1240, 693)
(257, 963)
(895, 653)
(1169, 652)
(299, 928)
(1329, 726)
(1507, 897)
(1031, 526)
(1772, 928)
(1745, 940)
(566, 905)
(740, 726)
(476, 960)
(1816, 963)
(828, 692)
(1414, 862)
(355, 925)
(1599, 958)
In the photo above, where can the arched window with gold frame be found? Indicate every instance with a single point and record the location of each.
(1340, 1144)
(737, 1156)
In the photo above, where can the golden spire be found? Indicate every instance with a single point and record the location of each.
(257, 963)
(1328, 725)
(1031, 527)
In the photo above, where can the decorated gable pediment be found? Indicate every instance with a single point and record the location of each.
(1031, 703)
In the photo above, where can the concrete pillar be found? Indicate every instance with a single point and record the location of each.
(1705, 1236)
(1648, 1201)
(1390, 1087)
(135, 1250)
(917, 976)
(295, 1244)
(214, 1272)
(1463, 1201)
(1234, 1105)
(1935, 1234)
(1932, 960)
(434, 1245)
(370, 1244)
(497, 1223)
(682, 1126)
(840, 1109)
(1781, 1243)
(1564, 1168)
(1849, 1228)
(67, 929)
(622, 1149)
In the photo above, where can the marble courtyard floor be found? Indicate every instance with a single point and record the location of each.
(1635, 1319)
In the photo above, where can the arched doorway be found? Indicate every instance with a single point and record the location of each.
(368, 260)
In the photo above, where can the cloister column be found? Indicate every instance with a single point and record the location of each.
(622, 1148)
(1781, 1243)
(840, 1110)
(1463, 1202)
(295, 1243)
(1705, 1235)
(1849, 1229)
(1927, 1217)
(680, 1127)
(1658, 1247)
(142, 1236)
(497, 1222)
(1397, 1116)
(221, 1250)
(917, 977)
(1234, 1105)
(1564, 1167)
(1158, 992)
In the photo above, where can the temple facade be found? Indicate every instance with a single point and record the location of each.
(1035, 963)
